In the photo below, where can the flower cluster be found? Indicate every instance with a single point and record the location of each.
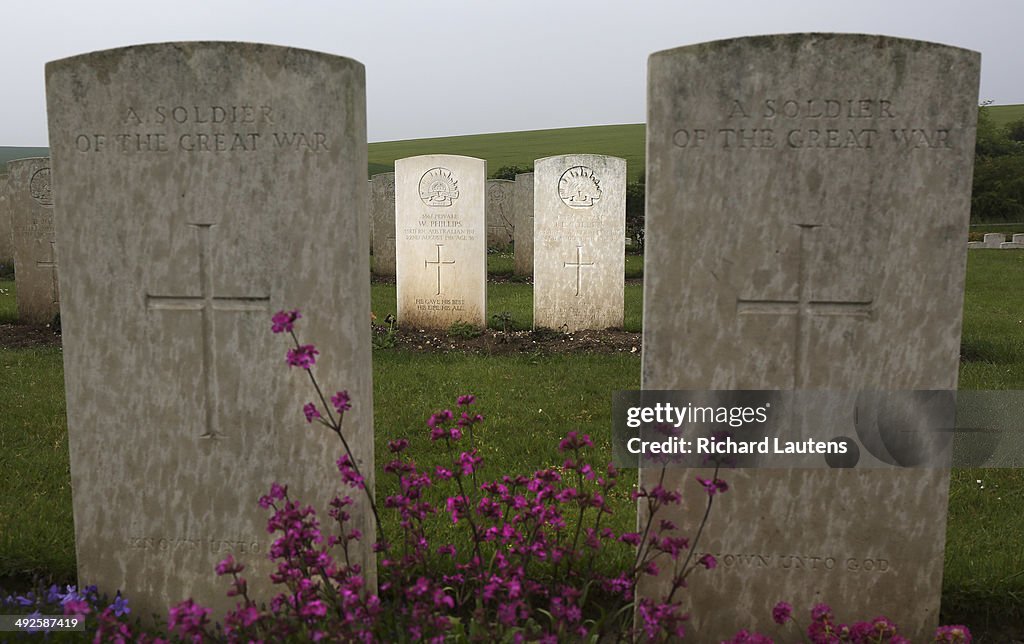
(533, 542)
(284, 321)
(303, 356)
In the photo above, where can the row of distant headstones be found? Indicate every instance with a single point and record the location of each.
(501, 197)
(998, 240)
(509, 211)
(431, 214)
(32, 244)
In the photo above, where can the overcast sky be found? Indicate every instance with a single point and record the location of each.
(450, 67)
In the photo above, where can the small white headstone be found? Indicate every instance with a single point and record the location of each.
(579, 227)
(522, 204)
(30, 196)
(382, 214)
(441, 241)
(993, 240)
(500, 212)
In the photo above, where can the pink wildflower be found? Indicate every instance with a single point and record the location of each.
(284, 321)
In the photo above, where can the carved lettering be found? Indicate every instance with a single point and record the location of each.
(830, 108)
(824, 117)
(188, 544)
(163, 131)
(300, 140)
(744, 138)
(791, 562)
(918, 138)
(440, 304)
(689, 138)
(737, 108)
(131, 118)
(830, 138)
(216, 114)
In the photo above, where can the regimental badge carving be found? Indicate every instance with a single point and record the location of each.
(389, 188)
(579, 187)
(439, 187)
(39, 187)
(497, 195)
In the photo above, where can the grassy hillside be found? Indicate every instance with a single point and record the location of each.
(12, 153)
(1003, 114)
(522, 148)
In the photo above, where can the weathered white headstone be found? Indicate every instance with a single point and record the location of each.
(992, 240)
(500, 212)
(1018, 238)
(1006, 245)
(30, 198)
(441, 241)
(783, 174)
(6, 237)
(522, 218)
(200, 190)
(382, 214)
(579, 255)
(975, 244)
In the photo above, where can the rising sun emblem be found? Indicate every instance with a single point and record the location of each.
(438, 187)
(39, 187)
(579, 187)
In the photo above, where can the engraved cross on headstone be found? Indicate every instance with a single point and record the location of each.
(438, 263)
(803, 308)
(207, 303)
(579, 264)
(52, 265)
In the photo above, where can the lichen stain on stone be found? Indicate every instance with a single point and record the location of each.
(106, 64)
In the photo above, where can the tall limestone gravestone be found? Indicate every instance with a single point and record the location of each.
(382, 215)
(500, 213)
(522, 219)
(199, 192)
(30, 199)
(784, 174)
(441, 241)
(579, 254)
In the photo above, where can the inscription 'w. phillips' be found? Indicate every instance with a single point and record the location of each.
(207, 303)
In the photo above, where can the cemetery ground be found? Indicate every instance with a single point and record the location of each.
(531, 396)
